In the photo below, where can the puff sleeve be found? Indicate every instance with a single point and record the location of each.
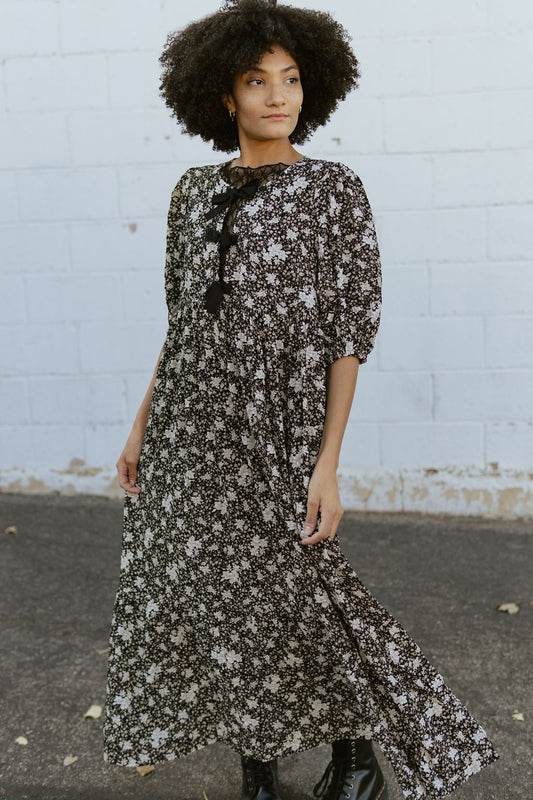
(175, 240)
(349, 268)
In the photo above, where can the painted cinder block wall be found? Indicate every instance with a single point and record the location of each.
(441, 133)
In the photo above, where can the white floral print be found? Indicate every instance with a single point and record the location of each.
(225, 627)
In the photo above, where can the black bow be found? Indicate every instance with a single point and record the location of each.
(213, 296)
(224, 237)
(222, 200)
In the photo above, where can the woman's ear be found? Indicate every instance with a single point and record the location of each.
(227, 101)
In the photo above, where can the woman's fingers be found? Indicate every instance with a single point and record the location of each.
(328, 527)
(128, 463)
(323, 496)
(127, 475)
(311, 518)
(132, 471)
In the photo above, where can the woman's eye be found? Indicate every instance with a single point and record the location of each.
(292, 78)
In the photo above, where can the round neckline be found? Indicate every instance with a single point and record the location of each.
(225, 166)
(261, 166)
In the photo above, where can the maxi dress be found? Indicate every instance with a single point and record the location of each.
(225, 626)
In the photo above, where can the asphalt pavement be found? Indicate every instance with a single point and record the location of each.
(442, 577)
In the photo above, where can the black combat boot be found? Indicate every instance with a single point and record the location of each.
(355, 773)
(259, 779)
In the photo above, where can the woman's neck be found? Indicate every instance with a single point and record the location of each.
(290, 158)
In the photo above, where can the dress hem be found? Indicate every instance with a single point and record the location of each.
(445, 791)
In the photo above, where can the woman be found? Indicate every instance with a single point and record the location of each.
(231, 622)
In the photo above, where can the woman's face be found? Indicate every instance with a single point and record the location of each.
(273, 87)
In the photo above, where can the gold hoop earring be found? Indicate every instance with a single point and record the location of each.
(300, 111)
(232, 115)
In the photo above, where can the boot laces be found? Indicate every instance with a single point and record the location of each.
(338, 780)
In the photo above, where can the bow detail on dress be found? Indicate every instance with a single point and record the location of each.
(224, 237)
(214, 294)
(223, 199)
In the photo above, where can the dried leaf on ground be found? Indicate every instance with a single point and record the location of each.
(94, 712)
(146, 769)
(205, 796)
(11, 529)
(21, 740)
(509, 608)
(518, 716)
(68, 760)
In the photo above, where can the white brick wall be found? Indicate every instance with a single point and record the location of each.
(441, 133)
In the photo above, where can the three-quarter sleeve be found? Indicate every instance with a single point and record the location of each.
(349, 268)
(174, 243)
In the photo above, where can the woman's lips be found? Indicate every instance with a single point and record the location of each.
(277, 116)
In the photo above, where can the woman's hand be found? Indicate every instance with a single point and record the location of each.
(128, 463)
(323, 495)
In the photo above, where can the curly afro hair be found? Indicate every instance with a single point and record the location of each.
(201, 61)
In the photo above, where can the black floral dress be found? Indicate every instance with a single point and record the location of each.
(225, 627)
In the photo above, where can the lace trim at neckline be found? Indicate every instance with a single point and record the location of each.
(237, 174)
(261, 166)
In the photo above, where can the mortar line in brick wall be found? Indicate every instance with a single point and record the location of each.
(487, 371)
(383, 126)
(107, 81)
(41, 168)
(456, 207)
(514, 260)
(380, 444)
(78, 349)
(68, 117)
(487, 91)
(117, 192)
(102, 51)
(487, 18)
(434, 34)
(484, 353)
(124, 401)
(61, 50)
(4, 88)
(477, 206)
(433, 179)
(431, 65)
(483, 91)
(432, 396)
(17, 201)
(428, 288)
(120, 208)
(487, 228)
(25, 279)
(475, 262)
(428, 153)
(122, 308)
(70, 251)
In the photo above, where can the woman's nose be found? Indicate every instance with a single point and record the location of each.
(276, 95)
